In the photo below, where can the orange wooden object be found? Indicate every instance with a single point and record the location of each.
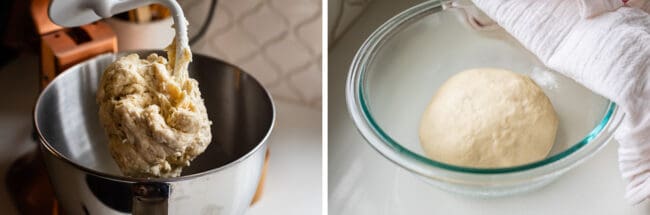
(64, 48)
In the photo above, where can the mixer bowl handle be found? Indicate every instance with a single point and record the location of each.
(150, 198)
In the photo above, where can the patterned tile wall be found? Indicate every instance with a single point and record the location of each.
(278, 41)
(341, 14)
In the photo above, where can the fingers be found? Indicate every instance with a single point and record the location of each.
(593, 8)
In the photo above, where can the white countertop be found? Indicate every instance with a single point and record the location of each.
(361, 181)
(293, 183)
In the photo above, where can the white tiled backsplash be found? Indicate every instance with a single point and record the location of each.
(278, 41)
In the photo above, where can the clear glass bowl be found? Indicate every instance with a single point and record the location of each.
(399, 67)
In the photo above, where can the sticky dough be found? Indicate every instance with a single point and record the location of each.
(155, 120)
(488, 118)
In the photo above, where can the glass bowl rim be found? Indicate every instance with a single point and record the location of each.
(371, 131)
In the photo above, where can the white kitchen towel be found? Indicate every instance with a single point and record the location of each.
(608, 53)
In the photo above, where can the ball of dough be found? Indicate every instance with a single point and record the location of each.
(488, 118)
(156, 123)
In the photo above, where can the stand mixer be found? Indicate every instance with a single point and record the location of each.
(75, 13)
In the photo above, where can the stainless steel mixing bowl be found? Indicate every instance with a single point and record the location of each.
(222, 180)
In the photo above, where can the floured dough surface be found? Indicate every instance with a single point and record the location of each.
(488, 118)
(155, 120)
